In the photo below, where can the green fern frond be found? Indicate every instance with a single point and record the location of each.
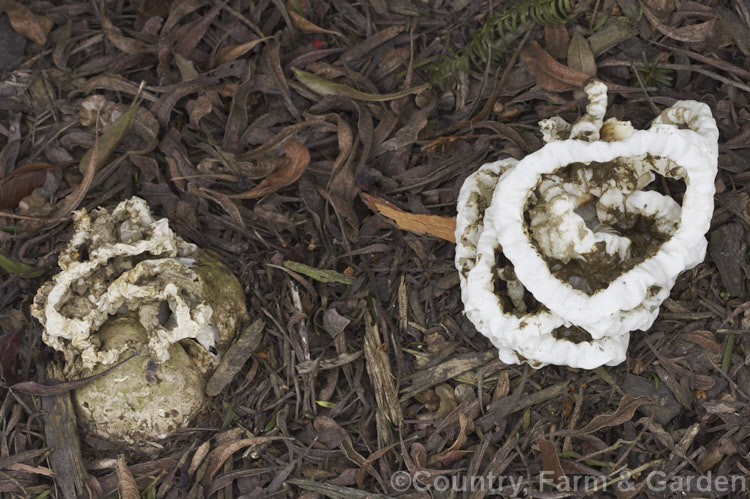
(491, 40)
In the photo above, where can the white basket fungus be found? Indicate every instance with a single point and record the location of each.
(565, 252)
(130, 276)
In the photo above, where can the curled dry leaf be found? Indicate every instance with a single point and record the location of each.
(549, 73)
(114, 35)
(22, 181)
(30, 25)
(433, 225)
(622, 414)
(216, 458)
(232, 52)
(694, 33)
(126, 484)
(298, 158)
(303, 24)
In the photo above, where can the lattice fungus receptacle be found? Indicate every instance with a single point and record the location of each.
(129, 284)
(565, 252)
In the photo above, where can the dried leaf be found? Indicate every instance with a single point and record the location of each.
(433, 225)
(125, 481)
(151, 8)
(200, 454)
(189, 36)
(693, 33)
(114, 35)
(298, 158)
(110, 139)
(186, 67)
(30, 25)
(734, 26)
(303, 24)
(334, 323)
(270, 64)
(622, 414)
(321, 86)
(12, 47)
(234, 359)
(372, 42)
(22, 181)
(580, 56)
(8, 350)
(550, 462)
(216, 458)
(232, 52)
(616, 31)
(556, 40)
(45, 390)
(549, 73)
(162, 108)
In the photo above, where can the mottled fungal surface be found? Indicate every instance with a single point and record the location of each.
(128, 283)
(564, 253)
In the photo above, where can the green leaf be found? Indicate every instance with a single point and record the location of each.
(15, 267)
(321, 275)
(109, 140)
(321, 86)
(271, 424)
(326, 404)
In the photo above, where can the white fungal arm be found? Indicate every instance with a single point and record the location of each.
(89, 289)
(587, 127)
(563, 218)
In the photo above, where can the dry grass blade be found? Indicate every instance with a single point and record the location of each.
(379, 370)
(432, 225)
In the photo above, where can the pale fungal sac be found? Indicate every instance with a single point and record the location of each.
(129, 284)
(564, 253)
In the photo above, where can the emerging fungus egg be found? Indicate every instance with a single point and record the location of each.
(142, 399)
(128, 283)
(565, 252)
